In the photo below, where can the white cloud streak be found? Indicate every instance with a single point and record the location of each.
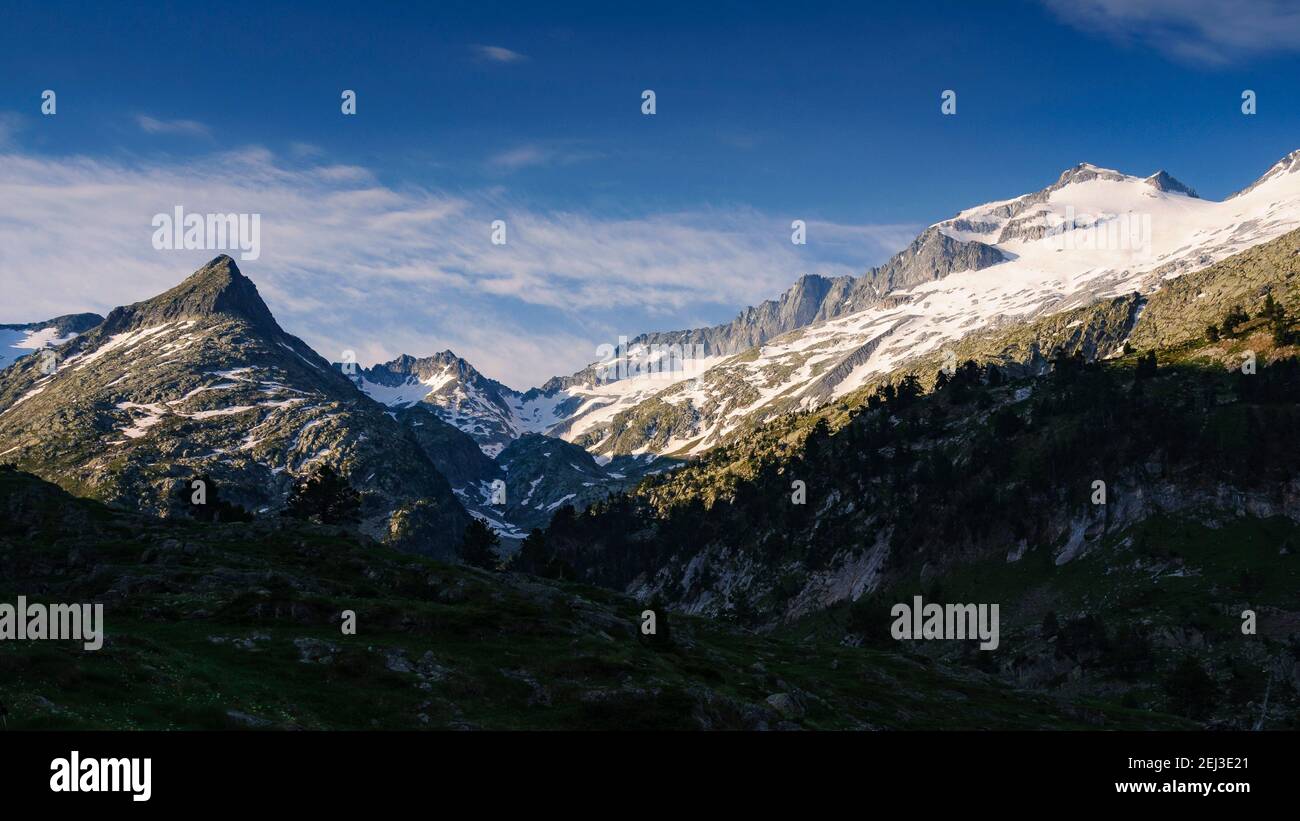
(349, 263)
(1201, 32)
(531, 155)
(498, 54)
(10, 124)
(184, 128)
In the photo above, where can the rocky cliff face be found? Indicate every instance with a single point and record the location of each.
(933, 255)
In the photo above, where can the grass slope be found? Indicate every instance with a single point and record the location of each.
(236, 626)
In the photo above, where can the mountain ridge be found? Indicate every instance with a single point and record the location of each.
(201, 381)
(585, 406)
(1061, 250)
(20, 339)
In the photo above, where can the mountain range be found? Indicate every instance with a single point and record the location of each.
(1092, 234)
(201, 380)
(1080, 403)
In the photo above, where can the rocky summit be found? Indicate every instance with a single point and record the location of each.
(201, 381)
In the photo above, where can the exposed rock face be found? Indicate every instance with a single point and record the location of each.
(453, 452)
(201, 380)
(810, 299)
(1162, 181)
(813, 298)
(933, 255)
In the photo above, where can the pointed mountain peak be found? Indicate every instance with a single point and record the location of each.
(221, 269)
(402, 363)
(465, 371)
(216, 289)
(1163, 181)
(219, 287)
(1084, 172)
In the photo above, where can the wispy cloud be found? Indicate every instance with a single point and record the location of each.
(10, 124)
(520, 157)
(187, 128)
(1203, 32)
(306, 151)
(349, 263)
(498, 54)
(535, 155)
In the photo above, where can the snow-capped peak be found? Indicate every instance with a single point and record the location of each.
(1095, 232)
(453, 389)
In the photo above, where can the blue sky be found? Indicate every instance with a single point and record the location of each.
(375, 226)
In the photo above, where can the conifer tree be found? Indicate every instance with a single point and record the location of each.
(326, 498)
(478, 546)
